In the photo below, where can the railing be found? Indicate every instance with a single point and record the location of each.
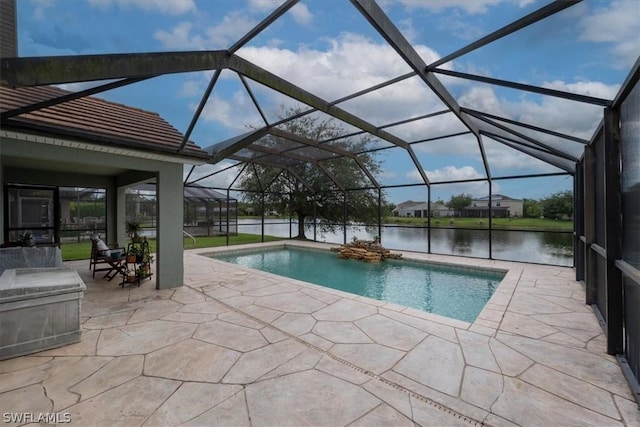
(193, 239)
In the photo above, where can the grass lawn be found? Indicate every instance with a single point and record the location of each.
(82, 250)
(498, 223)
(537, 224)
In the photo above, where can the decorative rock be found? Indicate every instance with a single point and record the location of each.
(364, 250)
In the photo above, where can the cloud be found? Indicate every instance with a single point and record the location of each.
(452, 173)
(349, 63)
(220, 180)
(352, 62)
(168, 7)
(185, 35)
(60, 38)
(236, 112)
(387, 175)
(483, 98)
(262, 5)
(460, 28)
(615, 25)
(471, 7)
(561, 115)
(180, 37)
(301, 14)
(233, 26)
(40, 10)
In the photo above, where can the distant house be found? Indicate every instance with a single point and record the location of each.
(406, 208)
(501, 207)
(440, 210)
(419, 209)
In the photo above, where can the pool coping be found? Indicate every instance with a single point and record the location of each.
(485, 323)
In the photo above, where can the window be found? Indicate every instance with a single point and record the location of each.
(31, 214)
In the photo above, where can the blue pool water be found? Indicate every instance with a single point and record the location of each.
(454, 292)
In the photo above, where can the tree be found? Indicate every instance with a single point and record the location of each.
(282, 190)
(531, 208)
(459, 202)
(558, 205)
(387, 209)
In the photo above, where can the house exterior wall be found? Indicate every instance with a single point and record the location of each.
(419, 210)
(441, 211)
(68, 159)
(170, 221)
(8, 30)
(1, 195)
(407, 208)
(514, 206)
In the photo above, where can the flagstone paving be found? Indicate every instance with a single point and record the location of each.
(239, 347)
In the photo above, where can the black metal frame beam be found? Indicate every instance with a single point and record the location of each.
(523, 22)
(528, 146)
(257, 160)
(281, 85)
(373, 88)
(212, 173)
(261, 161)
(385, 27)
(226, 148)
(435, 138)
(281, 10)
(525, 87)
(628, 84)
(196, 115)
(297, 176)
(613, 230)
(415, 119)
(310, 143)
(70, 97)
(527, 126)
(518, 147)
(526, 138)
(253, 99)
(381, 22)
(331, 176)
(52, 70)
(279, 153)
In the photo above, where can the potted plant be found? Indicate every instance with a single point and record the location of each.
(133, 228)
(131, 275)
(131, 257)
(134, 254)
(25, 238)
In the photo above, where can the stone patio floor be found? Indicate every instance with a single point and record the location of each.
(240, 347)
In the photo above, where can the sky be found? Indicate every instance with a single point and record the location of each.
(328, 48)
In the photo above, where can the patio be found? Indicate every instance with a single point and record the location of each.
(240, 347)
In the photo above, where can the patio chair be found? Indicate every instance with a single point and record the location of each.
(105, 259)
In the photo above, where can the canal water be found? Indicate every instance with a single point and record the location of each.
(528, 246)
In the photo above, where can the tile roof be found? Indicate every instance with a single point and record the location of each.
(498, 197)
(94, 119)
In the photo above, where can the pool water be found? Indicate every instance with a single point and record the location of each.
(455, 292)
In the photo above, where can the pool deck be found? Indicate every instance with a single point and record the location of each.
(240, 347)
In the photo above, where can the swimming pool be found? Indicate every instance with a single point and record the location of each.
(450, 291)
